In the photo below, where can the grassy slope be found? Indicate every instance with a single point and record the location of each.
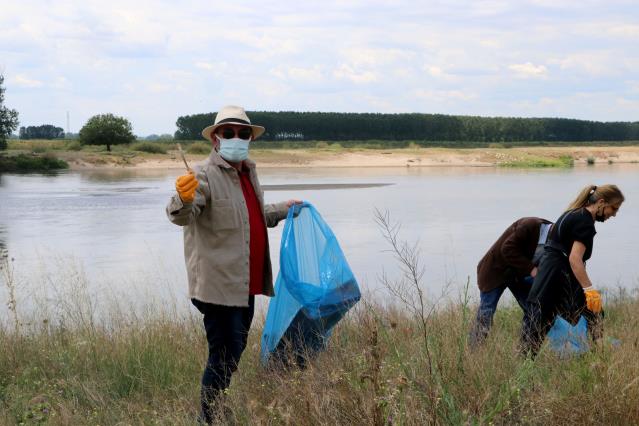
(68, 368)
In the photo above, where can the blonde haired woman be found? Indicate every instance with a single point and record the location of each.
(562, 286)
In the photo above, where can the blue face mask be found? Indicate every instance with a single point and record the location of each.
(234, 150)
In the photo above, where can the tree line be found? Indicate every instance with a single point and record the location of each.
(335, 126)
(46, 131)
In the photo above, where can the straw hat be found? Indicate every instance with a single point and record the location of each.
(232, 114)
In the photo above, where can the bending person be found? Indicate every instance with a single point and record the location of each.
(509, 263)
(562, 286)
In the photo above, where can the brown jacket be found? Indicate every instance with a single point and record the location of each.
(216, 233)
(511, 255)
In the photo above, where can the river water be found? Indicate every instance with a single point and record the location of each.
(110, 227)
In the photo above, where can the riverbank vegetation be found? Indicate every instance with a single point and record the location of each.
(28, 163)
(333, 154)
(532, 161)
(82, 360)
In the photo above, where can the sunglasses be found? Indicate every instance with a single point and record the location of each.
(229, 133)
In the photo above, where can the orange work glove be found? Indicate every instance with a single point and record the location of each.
(186, 186)
(593, 300)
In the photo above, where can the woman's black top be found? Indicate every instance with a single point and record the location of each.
(573, 225)
(555, 287)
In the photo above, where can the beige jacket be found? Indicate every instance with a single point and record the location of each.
(216, 233)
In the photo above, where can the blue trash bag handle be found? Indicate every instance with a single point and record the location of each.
(296, 209)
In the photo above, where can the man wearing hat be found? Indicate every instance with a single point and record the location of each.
(220, 206)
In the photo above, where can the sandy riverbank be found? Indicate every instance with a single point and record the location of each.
(421, 157)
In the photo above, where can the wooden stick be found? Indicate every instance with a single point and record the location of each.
(188, 169)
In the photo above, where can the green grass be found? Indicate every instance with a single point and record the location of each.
(150, 147)
(564, 161)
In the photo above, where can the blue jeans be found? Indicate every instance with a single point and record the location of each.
(488, 305)
(227, 329)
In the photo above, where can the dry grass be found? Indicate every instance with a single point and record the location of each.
(79, 361)
(146, 370)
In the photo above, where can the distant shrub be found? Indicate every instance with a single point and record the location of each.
(336, 146)
(590, 160)
(567, 161)
(321, 145)
(199, 148)
(31, 163)
(39, 149)
(150, 147)
(74, 145)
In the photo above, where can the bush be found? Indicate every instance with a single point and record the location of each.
(199, 148)
(74, 146)
(590, 161)
(150, 147)
(31, 163)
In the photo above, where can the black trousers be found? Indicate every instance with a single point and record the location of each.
(227, 329)
(555, 291)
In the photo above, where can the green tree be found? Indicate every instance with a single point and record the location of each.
(8, 118)
(106, 129)
(46, 131)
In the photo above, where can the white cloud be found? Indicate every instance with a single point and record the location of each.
(24, 81)
(434, 71)
(205, 66)
(309, 74)
(445, 95)
(595, 63)
(528, 70)
(61, 83)
(364, 56)
(489, 7)
(351, 55)
(624, 30)
(349, 73)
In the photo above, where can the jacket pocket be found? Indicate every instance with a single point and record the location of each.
(223, 215)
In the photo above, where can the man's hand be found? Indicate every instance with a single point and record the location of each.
(290, 203)
(593, 300)
(186, 186)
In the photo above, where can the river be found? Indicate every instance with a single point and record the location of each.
(110, 228)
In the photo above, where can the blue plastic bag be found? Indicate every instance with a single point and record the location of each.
(566, 339)
(314, 289)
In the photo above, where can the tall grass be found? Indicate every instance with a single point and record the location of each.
(402, 362)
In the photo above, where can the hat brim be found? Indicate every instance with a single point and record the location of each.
(208, 131)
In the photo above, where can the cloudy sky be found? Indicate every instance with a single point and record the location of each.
(152, 61)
